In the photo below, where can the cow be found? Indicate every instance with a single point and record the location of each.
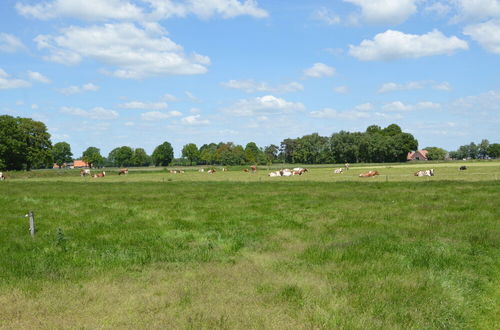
(245, 170)
(253, 168)
(212, 171)
(425, 173)
(224, 169)
(369, 174)
(2, 177)
(100, 175)
(462, 168)
(84, 172)
(123, 171)
(201, 170)
(338, 171)
(346, 166)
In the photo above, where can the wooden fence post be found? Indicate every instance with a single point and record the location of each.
(31, 215)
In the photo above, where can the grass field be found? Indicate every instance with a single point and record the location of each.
(240, 250)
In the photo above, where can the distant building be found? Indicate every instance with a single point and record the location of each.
(77, 163)
(417, 155)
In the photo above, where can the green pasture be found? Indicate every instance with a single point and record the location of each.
(236, 250)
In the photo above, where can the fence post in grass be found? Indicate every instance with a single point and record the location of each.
(31, 216)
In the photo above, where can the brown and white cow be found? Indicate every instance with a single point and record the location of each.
(369, 174)
(338, 171)
(84, 172)
(212, 171)
(253, 168)
(425, 173)
(123, 171)
(100, 175)
(2, 177)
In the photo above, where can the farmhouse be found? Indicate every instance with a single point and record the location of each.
(79, 164)
(417, 155)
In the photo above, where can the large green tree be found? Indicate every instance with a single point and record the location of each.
(494, 150)
(163, 154)
(252, 153)
(24, 144)
(435, 153)
(92, 156)
(191, 152)
(141, 158)
(61, 152)
(121, 156)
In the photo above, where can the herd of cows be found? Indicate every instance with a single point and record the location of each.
(253, 169)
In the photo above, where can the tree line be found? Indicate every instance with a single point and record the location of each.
(25, 144)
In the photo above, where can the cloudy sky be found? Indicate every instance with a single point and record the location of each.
(108, 73)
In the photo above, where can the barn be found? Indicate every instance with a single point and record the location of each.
(417, 155)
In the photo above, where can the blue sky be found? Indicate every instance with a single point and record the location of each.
(109, 73)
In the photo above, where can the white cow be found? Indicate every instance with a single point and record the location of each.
(339, 171)
(425, 173)
(84, 172)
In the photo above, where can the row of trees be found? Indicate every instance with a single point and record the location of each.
(25, 144)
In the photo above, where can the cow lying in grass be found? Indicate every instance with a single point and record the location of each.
(463, 168)
(123, 171)
(100, 175)
(369, 174)
(339, 171)
(212, 171)
(288, 172)
(176, 171)
(84, 172)
(425, 173)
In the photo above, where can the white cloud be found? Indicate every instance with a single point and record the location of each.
(488, 102)
(79, 89)
(265, 105)
(90, 10)
(329, 113)
(341, 90)
(169, 98)
(195, 120)
(10, 43)
(398, 106)
(34, 106)
(325, 15)
(412, 85)
(385, 11)
(37, 76)
(94, 113)
(251, 86)
(192, 97)
(476, 10)
(129, 124)
(10, 83)
(157, 115)
(392, 45)
(444, 86)
(364, 107)
(134, 52)
(486, 34)
(206, 8)
(438, 8)
(144, 105)
(319, 70)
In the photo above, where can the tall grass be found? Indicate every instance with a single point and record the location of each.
(284, 254)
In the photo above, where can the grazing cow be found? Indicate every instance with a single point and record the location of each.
(339, 171)
(2, 177)
(425, 173)
(123, 171)
(369, 174)
(253, 168)
(100, 175)
(462, 168)
(212, 171)
(84, 172)
(346, 166)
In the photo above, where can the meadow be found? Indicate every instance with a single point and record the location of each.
(237, 250)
